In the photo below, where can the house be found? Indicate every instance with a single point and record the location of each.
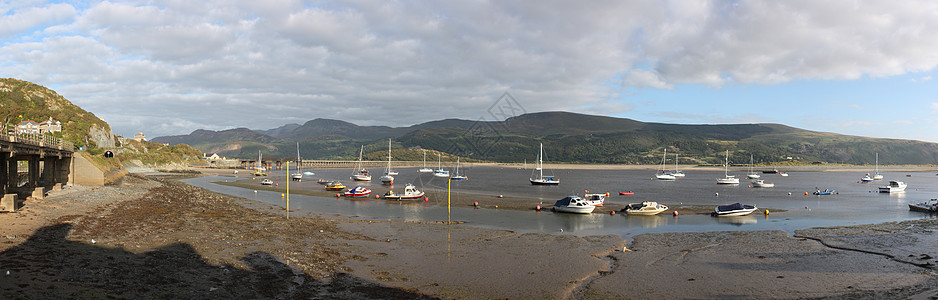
(50, 126)
(214, 156)
(27, 127)
(140, 137)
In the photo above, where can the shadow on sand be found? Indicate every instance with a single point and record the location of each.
(48, 265)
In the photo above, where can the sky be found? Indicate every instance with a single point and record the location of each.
(169, 67)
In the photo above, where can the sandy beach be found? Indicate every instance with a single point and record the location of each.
(155, 237)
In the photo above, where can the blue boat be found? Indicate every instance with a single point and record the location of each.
(825, 192)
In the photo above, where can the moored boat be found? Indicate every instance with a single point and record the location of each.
(929, 206)
(267, 181)
(752, 175)
(539, 168)
(410, 193)
(388, 178)
(893, 187)
(646, 208)
(735, 209)
(573, 204)
(595, 199)
(866, 178)
(425, 169)
(727, 178)
(360, 174)
(663, 174)
(825, 192)
(627, 193)
(440, 172)
(335, 186)
(357, 192)
(456, 175)
(762, 184)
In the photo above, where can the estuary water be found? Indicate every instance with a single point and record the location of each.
(854, 204)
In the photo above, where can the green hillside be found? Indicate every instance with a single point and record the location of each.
(21, 101)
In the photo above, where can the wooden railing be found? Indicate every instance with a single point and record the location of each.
(11, 133)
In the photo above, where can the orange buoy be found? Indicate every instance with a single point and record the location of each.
(538, 208)
(376, 196)
(675, 213)
(805, 193)
(281, 195)
(476, 204)
(496, 206)
(277, 184)
(426, 199)
(612, 212)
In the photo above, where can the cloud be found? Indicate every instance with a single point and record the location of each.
(168, 66)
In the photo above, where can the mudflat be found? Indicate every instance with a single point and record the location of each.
(155, 237)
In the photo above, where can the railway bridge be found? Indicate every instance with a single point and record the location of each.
(31, 164)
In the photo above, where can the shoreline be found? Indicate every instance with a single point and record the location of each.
(159, 237)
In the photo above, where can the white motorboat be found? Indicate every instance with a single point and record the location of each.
(410, 193)
(760, 183)
(727, 179)
(308, 173)
(783, 174)
(388, 178)
(440, 172)
(573, 204)
(646, 208)
(866, 178)
(893, 187)
(267, 181)
(735, 209)
(752, 175)
(662, 174)
(539, 169)
(360, 174)
(595, 199)
(425, 169)
(930, 206)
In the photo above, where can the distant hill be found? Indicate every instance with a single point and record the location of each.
(22, 100)
(567, 137)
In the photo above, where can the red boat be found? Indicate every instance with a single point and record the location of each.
(626, 193)
(357, 192)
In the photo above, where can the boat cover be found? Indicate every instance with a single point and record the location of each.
(565, 201)
(731, 207)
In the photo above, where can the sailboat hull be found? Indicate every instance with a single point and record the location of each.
(544, 181)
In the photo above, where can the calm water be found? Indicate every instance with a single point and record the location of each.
(855, 204)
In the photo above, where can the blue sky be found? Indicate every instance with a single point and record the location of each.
(169, 67)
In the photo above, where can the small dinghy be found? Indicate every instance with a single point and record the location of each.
(735, 209)
(627, 193)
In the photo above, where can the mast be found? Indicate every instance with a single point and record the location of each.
(299, 163)
(424, 158)
(726, 163)
(388, 171)
(675, 162)
(540, 161)
(359, 164)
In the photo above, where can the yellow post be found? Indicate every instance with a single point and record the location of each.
(288, 190)
(449, 182)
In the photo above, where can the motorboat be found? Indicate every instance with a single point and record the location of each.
(595, 199)
(930, 206)
(410, 193)
(626, 193)
(735, 209)
(388, 178)
(357, 192)
(335, 186)
(772, 171)
(760, 183)
(325, 181)
(866, 178)
(308, 173)
(646, 208)
(539, 167)
(825, 192)
(893, 187)
(360, 174)
(727, 178)
(573, 204)
(267, 181)
(783, 174)
(662, 174)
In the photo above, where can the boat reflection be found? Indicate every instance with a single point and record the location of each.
(646, 221)
(737, 220)
(579, 222)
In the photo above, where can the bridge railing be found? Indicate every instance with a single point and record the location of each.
(37, 139)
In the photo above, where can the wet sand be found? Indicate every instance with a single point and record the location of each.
(156, 238)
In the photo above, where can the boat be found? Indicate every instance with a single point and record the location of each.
(751, 175)
(325, 181)
(595, 199)
(825, 192)
(335, 186)
(440, 172)
(929, 206)
(308, 173)
(627, 193)
(760, 183)
(772, 171)
(893, 187)
(727, 179)
(783, 174)
(298, 176)
(357, 192)
(388, 179)
(877, 176)
(456, 175)
(360, 174)
(646, 208)
(540, 179)
(735, 209)
(267, 181)
(573, 204)
(677, 173)
(259, 169)
(425, 169)
(866, 178)
(662, 174)
(410, 193)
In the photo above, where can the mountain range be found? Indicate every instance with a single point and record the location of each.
(567, 137)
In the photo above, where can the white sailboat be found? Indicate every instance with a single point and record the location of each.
(360, 174)
(388, 178)
(539, 169)
(751, 175)
(677, 173)
(661, 174)
(456, 175)
(425, 169)
(440, 172)
(298, 175)
(876, 175)
(727, 179)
